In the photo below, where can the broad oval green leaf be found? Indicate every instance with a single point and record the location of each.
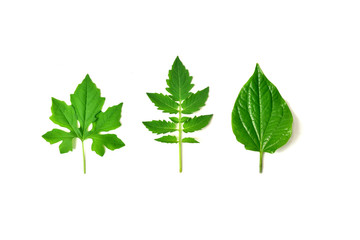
(261, 119)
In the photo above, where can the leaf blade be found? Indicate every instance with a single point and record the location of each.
(164, 102)
(179, 82)
(167, 139)
(195, 101)
(197, 123)
(64, 115)
(160, 126)
(108, 120)
(261, 119)
(189, 140)
(110, 141)
(176, 120)
(87, 102)
(66, 139)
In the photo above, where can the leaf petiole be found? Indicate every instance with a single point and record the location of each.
(180, 139)
(84, 156)
(261, 161)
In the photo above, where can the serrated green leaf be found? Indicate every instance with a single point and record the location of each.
(189, 140)
(108, 120)
(110, 141)
(179, 86)
(179, 81)
(85, 109)
(195, 101)
(176, 120)
(160, 126)
(164, 102)
(57, 135)
(184, 119)
(167, 139)
(87, 102)
(261, 119)
(197, 123)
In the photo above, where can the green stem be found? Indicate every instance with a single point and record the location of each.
(84, 156)
(180, 140)
(261, 162)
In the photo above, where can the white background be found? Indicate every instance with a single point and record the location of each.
(309, 188)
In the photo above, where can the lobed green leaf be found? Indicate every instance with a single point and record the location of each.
(85, 109)
(110, 141)
(108, 120)
(64, 116)
(57, 135)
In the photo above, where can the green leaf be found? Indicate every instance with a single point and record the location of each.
(160, 126)
(197, 123)
(189, 140)
(181, 101)
(110, 141)
(176, 120)
(57, 135)
(195, 101)
(164, 102)
(85, 109)
(109, 120)
(179, 81)
(87, 102)
(167, 139)
(261, 119)
(64, 116)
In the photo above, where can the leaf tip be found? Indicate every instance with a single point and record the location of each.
(258, 68)
(177, 61)
(88, 79)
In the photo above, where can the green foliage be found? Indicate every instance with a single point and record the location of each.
(261, 119)
(85, 108)
(167, 139)
(196, 123)
(180, 101)
(161, 126)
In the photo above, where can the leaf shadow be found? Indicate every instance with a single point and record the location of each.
(296, 131)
